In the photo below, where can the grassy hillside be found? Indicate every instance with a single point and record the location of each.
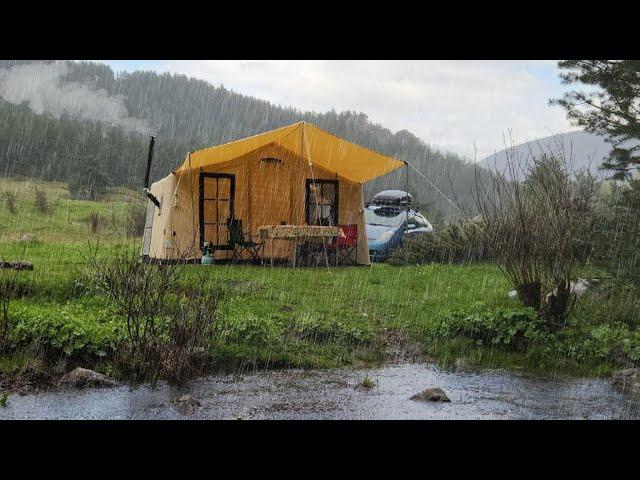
(66, 219)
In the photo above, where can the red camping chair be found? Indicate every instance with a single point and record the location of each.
(347, 245)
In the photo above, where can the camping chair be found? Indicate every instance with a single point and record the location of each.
(240, 241)
(345, 246)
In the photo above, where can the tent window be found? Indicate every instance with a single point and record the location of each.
(321, 204)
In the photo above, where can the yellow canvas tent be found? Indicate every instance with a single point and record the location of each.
(295, 175)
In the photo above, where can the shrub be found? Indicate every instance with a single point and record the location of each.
(460, 242)
(69, 329)
(95, 220)
(190, 332)
(136, 219)
(248, 329)
(510, 328)
(166, 329)
(10, 202)
(89, 183)
(41, 202)
(11, 286)
(616, 234)
(320, 330)
(533, 228)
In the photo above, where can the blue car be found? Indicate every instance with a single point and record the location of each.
(388, 220)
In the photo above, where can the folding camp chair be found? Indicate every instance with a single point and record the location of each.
(241, 241)
(344, 247)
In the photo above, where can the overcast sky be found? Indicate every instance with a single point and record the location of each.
(450, 104)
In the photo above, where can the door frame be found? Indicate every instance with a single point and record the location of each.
(201, 200)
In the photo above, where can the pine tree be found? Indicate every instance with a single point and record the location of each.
(610, 105)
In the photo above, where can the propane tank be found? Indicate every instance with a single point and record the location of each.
(207, 256)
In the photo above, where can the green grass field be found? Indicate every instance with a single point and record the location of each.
(68, 219)
(310, 318)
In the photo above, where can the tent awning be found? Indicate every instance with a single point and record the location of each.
(318, 147)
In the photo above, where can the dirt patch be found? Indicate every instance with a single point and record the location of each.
(28, 381)
(399, 348)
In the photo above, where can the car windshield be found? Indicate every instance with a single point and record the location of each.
(384, 217)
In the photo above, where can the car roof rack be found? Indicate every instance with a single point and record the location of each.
(393, 198)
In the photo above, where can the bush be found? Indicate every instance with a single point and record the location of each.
(248, 329)
(511, 328)
(89, 183)
(615, 344)
(73, 330)
(588, 338)
(11, 287)
(461, 242)
(167, 329)
(41, 202)
(615, 236)
(10, 202)
(95, 220)
(533, 228)
(136, 219)
(319, 330)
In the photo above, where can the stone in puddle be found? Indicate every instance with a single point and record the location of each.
(83, 377)
(431, 395)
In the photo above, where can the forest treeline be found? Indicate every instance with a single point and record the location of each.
(186, 114)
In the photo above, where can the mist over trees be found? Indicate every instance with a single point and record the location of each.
(187, 114)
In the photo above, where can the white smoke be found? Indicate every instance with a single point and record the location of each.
(41, 85)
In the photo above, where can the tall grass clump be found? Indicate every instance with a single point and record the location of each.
(10, 202)
(136, 219)
(41, 201)
(94, 220)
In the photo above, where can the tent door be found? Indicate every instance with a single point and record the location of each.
(217, 192)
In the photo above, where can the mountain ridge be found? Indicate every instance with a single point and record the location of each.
(580, 149)
(185, 114)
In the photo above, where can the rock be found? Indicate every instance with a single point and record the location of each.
(27, 237)
(580, 286)
(83, 377)
(187, 403)
(628, 379)
(431, 395)
(17, 265)
(22, 265)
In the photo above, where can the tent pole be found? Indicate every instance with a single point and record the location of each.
(318, 212)
(406, 218)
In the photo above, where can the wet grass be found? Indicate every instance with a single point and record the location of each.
(68, 220)
(304, 317)
(270, 316)
(309, 318)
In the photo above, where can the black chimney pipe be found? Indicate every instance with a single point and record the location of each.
(149, 160)
(151, 196)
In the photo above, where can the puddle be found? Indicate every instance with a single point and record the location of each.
(332, 394)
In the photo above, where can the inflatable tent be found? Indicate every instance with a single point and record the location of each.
(294, 175)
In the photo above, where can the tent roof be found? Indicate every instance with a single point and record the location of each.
(320, 148)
